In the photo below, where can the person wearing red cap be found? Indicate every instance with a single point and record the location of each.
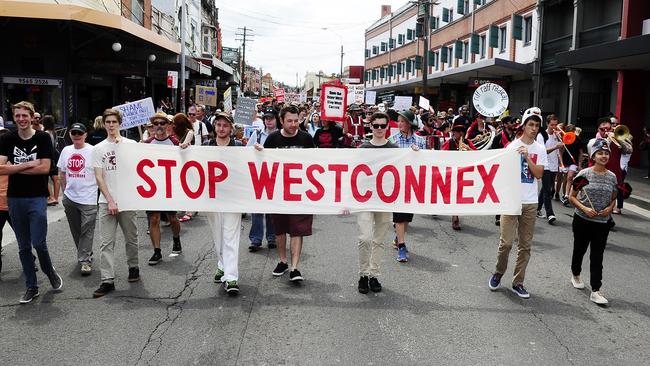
(458, 143)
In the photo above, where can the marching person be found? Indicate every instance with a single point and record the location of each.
(4, 208)
(256, 234)
(571, 158)
(296, 226)
(533, 161)
(501, 140)
(25, 156)
(457, 143)
(328, 135)
(553, 144)
(406, 138)
(184, 132)
(225, 226)
(105, 164)
(159, 122)
(594, 204)
(373, 225)
(353, 129)
(79, 184)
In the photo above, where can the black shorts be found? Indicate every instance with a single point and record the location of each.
(294, 225)
(162, 213)
(402, 217)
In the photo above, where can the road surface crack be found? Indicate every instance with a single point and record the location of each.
(557, 338)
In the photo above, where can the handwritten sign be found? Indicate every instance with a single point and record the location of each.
(136, 113)
(333, 102)
(246, 110)
(402, 103)
(227, 100)
(371, 97)
(206, 95)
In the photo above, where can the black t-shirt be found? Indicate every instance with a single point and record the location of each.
(96, 136)
(574, 149)
(368, 145)
(20, 151)
(328, 138)
(302, 140)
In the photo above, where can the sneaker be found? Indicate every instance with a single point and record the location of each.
(497, 221)
(103, 289)
(402, 254)
(375, 286)
(598, 298)
(540, 214)
(231, 287)
(86, 269)
(617, 211)
(280, 269)
(134, 274)
(565, 202)
(295, 276)
(29, 295)
(217, 276)
(177, 248)
(551, 219)
(521, 291)
(56, 281)
(254, 247)
(576, 281)
(495, 281)
(155, 258)
(272, 245)
(363, 285)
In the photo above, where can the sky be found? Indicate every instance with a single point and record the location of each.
(287, 35)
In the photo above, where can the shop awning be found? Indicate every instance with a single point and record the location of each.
(21, 9)
(627, 54)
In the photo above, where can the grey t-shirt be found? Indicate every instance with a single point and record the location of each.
(388, 144)
(599, 189)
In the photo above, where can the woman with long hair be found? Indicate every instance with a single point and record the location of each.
(183, 130)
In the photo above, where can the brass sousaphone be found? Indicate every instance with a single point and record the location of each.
(490, 100)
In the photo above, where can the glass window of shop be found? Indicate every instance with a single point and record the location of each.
(45, 94)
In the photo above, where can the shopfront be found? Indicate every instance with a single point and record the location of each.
(47, 94)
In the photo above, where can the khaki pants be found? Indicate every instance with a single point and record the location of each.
(373, 226)
(512, 226)
(107, 230)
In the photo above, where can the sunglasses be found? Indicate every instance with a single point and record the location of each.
(156, 123)
(603, 129)
(191, 114)
(379, 126)
(76, 133)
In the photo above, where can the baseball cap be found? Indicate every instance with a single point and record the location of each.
(533, 112)
(78, 127)
(270, 112)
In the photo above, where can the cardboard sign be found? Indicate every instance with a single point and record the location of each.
(355, 94)
(424, 103)
(333, 102)
(402, 103)
(227, 100)
(246, 111)
(136, 113)
(239, 179)
(371, 97)
(206, 95)
(278, 93)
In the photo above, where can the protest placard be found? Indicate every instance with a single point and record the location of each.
(303, 97)
(136, 113)
(278, 93)
(206, 95)
(238, 179)
(246, 110)
(227, 100)
(402, 103)
(355, 93)
(371, 97)
(333, 102)
(424, 103)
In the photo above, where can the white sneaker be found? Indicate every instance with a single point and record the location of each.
(598, 298)
(576, 281)
(540, 214)
(551, 219)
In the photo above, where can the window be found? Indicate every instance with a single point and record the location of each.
(503, 39)
(451, 15)
(465, 52)
(436, 60)
(528, 30)
(137, 11)
(450, 59)
(466, 7)
(206, 44)
(404, 69)
(482, 46)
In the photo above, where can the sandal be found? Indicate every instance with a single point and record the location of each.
(186, 217)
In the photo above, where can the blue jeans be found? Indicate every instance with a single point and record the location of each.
(257, 229)
(29, 219)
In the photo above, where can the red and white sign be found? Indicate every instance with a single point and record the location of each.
(278, 93)
(240, 179)
(333, 102)
(76, 163)
(172, 79)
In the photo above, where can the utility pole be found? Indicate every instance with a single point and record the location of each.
(425, 52)
(245, 38)
(341, 60)
(182, 35)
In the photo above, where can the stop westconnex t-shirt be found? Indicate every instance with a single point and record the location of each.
(80, 182)
(20, 151)
(302, 140)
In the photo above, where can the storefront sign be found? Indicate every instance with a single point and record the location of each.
(136, 113)
(239, 179)
(476, 82)
(206, 95)
(33, 81)
(333, 102)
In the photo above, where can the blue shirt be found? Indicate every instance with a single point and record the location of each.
(402, 141)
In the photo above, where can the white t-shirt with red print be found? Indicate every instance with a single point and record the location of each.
(81, 186)
(537, 153)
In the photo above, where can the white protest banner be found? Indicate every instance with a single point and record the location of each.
(333, 102)
(136, 113)
(424, 103)
(290, 98)
(240, 179)
(246, 110)
(402, 103)
(227, 100)
(371, 97)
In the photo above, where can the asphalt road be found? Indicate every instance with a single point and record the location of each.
(436, 309)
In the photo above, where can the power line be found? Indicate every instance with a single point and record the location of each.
(245, 33)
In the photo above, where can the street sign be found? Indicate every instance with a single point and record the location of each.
(172, 79)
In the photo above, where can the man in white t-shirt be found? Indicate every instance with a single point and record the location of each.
(532, 163)
(200, 130)
(105, 165)
(554, 147)
(77, 177)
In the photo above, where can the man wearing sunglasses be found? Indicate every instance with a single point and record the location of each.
(373, 225)
(160, 137)
(79, 194)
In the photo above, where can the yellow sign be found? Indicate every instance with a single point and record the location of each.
(206, 95)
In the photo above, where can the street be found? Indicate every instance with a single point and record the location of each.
(435, 309)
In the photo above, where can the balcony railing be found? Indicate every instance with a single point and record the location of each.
(601, 34)
(551, 48)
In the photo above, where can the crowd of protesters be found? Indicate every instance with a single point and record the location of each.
(33, 168)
